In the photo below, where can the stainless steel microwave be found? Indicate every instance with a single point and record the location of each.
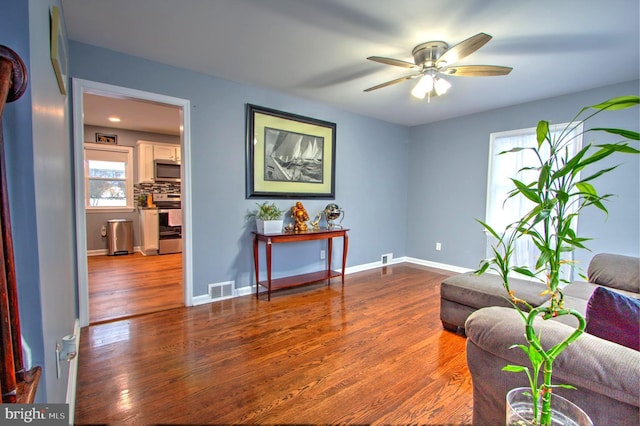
(166, 171)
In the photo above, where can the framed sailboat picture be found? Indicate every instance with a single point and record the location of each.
(288, 155)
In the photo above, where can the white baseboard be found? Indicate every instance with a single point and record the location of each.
(437, 265)
(251, 289)
(245, 291)
(103, 252)
(200, 300)
(98, 252)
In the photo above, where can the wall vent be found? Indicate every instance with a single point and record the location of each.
(220, 291)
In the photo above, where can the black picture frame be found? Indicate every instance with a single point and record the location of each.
(106, 138)
(289, 155)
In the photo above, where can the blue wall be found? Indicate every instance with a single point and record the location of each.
(371, 176)
(38, 156)
(448, 179)
(430, 179)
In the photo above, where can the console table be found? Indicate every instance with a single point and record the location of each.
(292, 237)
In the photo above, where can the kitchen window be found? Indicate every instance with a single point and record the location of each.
(108, 177)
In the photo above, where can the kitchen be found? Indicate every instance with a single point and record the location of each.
(144, 274)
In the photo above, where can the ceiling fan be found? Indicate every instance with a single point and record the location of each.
(433, 59)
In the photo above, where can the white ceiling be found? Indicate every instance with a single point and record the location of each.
(317, 49)
(133, 114)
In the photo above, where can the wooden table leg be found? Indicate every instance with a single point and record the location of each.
(269, 270)
(329, 257)
(256, 263)
(345, 247)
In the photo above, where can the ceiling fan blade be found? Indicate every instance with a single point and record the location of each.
(389, 83)
(463, 49)
(476, 70)
(394, 62)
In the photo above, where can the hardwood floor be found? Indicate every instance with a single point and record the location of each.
(372, 351)
(124, 286)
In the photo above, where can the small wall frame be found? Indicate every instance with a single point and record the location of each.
(58, 50)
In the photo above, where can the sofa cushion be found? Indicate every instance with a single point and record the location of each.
(605, 374)
(617, 271)
(615, 317)
(479, 291)
(584, 290)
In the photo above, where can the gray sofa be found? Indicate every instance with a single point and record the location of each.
(606, 374)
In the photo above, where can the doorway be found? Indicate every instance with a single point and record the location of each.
(124, 300)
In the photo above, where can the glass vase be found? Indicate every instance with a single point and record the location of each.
(563, 411)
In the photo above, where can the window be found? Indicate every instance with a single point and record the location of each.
(108, 175)
(502, 211)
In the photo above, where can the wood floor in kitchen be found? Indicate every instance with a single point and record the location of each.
(129, 285)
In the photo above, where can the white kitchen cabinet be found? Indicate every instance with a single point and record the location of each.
(149, 231)
(145, 162)
(148, 152)
(165, 152)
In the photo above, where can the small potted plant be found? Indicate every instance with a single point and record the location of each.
(268, 217)
(559, 194)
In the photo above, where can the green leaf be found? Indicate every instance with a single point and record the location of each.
(571, 165)
(619, 147)
(525, 190)
(515, 368)
(517, 149)
(605, 151)
(544, 257)
(542, 131)
(627, 134)
(587, 188)
(483, 268)
(489, 228)
(564, 386)
(599, 205)
(524, 271)
(544, 175)
(563, 197)
(621, 102)
(598, 174)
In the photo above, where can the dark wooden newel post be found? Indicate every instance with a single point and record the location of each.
(16, 384)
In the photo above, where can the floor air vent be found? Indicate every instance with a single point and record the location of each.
(221, 291)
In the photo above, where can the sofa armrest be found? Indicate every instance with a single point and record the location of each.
(605, 374)
(615, 271)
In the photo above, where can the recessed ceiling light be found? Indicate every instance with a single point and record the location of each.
(114, 119)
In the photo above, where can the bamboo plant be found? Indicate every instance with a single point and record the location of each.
(559, 194)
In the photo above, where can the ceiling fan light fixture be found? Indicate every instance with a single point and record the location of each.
(435, 58)
(423, 86)
(441, 85)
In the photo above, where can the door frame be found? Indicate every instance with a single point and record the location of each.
(80, 87)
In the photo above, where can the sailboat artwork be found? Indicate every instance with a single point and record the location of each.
(293, 157)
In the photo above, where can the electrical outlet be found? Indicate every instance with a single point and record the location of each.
(323, 254)
(438, 246)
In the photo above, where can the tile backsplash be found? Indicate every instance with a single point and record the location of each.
(155, 188)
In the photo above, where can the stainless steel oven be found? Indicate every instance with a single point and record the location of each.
(169, 223)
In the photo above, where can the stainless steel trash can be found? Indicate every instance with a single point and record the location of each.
(119, 237)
